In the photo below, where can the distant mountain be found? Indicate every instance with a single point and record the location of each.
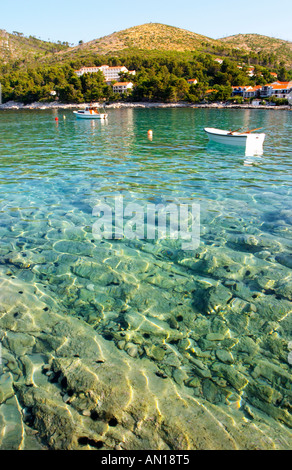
(16, 46)
(257, 43)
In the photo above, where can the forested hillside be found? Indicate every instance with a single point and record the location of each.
(162, 70)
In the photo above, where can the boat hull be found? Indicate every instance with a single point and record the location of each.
(225, 137)
(89, 116)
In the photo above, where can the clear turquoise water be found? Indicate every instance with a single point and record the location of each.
(52, 175)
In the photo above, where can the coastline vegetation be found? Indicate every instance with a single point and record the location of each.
(161, 75)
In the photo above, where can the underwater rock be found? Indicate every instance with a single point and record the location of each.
(263, 254)
(214, 337)
(285, 259)
(229, 343)
(285, 289)
(235, 378)
(247, 345)
(264, 392)
(6, 387)
(52, 419)
(73, 247)
(132, 349)
(194, 382)
(154, 327)
(224, 356)
(253, 243)
(216, 298)
(203, 373)
(180, 376)
(219, 325)
(11, 435)
(276, 374)
(272, 308)
(271, 410)
(211, 392)
(155, 352)
(19, 343)
(201, 327)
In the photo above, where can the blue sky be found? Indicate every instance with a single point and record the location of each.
(72, 20)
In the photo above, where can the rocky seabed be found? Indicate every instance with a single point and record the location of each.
(127, 344)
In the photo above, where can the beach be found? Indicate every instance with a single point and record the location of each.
(116, 105)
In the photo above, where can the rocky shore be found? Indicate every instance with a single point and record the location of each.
(57, 105)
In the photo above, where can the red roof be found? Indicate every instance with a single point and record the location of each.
(277, 86)
(121, 83)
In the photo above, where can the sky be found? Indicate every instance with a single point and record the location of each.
(75, 20)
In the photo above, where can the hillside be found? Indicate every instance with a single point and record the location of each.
(258, 43)
(150, 36)
(18, 47)
(153, 37)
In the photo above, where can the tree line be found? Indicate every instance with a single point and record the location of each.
(160, 76)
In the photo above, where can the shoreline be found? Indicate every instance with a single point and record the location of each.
(12, 105)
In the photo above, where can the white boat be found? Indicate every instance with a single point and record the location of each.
(90, 112)
(235, 137)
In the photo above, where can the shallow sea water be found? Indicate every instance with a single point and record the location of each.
(138, 343)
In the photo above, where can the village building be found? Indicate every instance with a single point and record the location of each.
(111, 74)
(192, 81)
(276, 89)
(122, 87)
(251, 91)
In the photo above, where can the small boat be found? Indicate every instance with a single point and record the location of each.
(91, 112)
(235, 138)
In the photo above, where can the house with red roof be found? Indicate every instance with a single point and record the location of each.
(122, 87)
(277, 89)
(192, 81)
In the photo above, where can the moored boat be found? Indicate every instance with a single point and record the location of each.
(235, 137)
(90, 112)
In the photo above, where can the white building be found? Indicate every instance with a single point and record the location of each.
(122, 87)
(110, 73)
(277, 89)
(192, 81)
